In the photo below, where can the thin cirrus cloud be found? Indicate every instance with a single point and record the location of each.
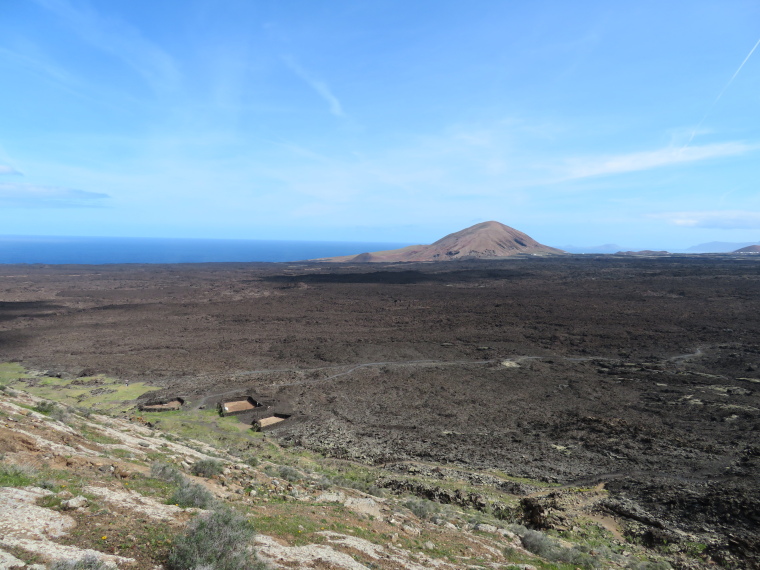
(319, 86)
(647, 160)
(5, 169)
(718, 219)
(37, 196)
(120, 39)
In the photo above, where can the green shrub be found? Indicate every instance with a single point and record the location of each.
(60, 414)
(89, 562)
(207, 468)
(547, 547)
(45, 407)
(219, 540)
(190, 495)
(538, 543)
(84, 412)
(166, 472)
(637, 565)
(423, 508)
(289, 474)
(16, 475)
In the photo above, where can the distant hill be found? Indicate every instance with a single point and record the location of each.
(605, 248)
(644, 253)
(487, 240)
(749, 249)
(717, 247)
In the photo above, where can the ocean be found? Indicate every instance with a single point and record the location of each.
(107, 250)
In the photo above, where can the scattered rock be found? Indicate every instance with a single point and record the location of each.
(364, 506)
(331, 497)
(76, 503)
(411, 530)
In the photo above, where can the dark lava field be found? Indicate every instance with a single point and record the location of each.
(639, 373)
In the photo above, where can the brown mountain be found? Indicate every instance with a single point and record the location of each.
(488, 240)
(749, 249)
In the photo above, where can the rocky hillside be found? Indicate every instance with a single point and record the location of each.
(107, 486)
(487, 240)
(749, 249)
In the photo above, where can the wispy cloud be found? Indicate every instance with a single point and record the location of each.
(617, 164)
(730, 81)
(39, 65)
(35, 196)
(718, 219)
(120, 39)
(5, 169)
(317, 85)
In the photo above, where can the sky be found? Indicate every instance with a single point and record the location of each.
(580, 123)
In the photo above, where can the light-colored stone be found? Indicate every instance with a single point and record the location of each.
(328, 497)
(482, 527)
(138, 503)
(272, 551)
(7, 560)
(20, 516)
(411, 530)
(507, 533)
(74, 503)
(364, 506)
(29, 527)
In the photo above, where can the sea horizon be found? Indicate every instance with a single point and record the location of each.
(102, 250)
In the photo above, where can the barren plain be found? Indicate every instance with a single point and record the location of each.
(641, 374)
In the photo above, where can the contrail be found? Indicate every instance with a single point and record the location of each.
(694, 133)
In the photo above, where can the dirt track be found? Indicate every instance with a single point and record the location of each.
(642, 373)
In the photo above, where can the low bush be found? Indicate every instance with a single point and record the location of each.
(550, 549)
(538, 543)
(376, 491)
(637, 565)
(207, 468)
(84, 412)
(289, 474)
(219, 540)
(45, 407)
(423, 508)
(16, 475)
(60, 414)
(89, 562)
(190, 495)
(165, 472)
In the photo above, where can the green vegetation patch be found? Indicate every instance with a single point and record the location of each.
(298, 528)
(12, 475)
(217, 540)
(16, 475)
(10, 372)
(98, 392)
(205, 426)
(152, 487)
(97, 436)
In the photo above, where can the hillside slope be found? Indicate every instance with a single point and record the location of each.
(76, 484)
(487, 240)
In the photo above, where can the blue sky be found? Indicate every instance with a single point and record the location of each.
(582, 123)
